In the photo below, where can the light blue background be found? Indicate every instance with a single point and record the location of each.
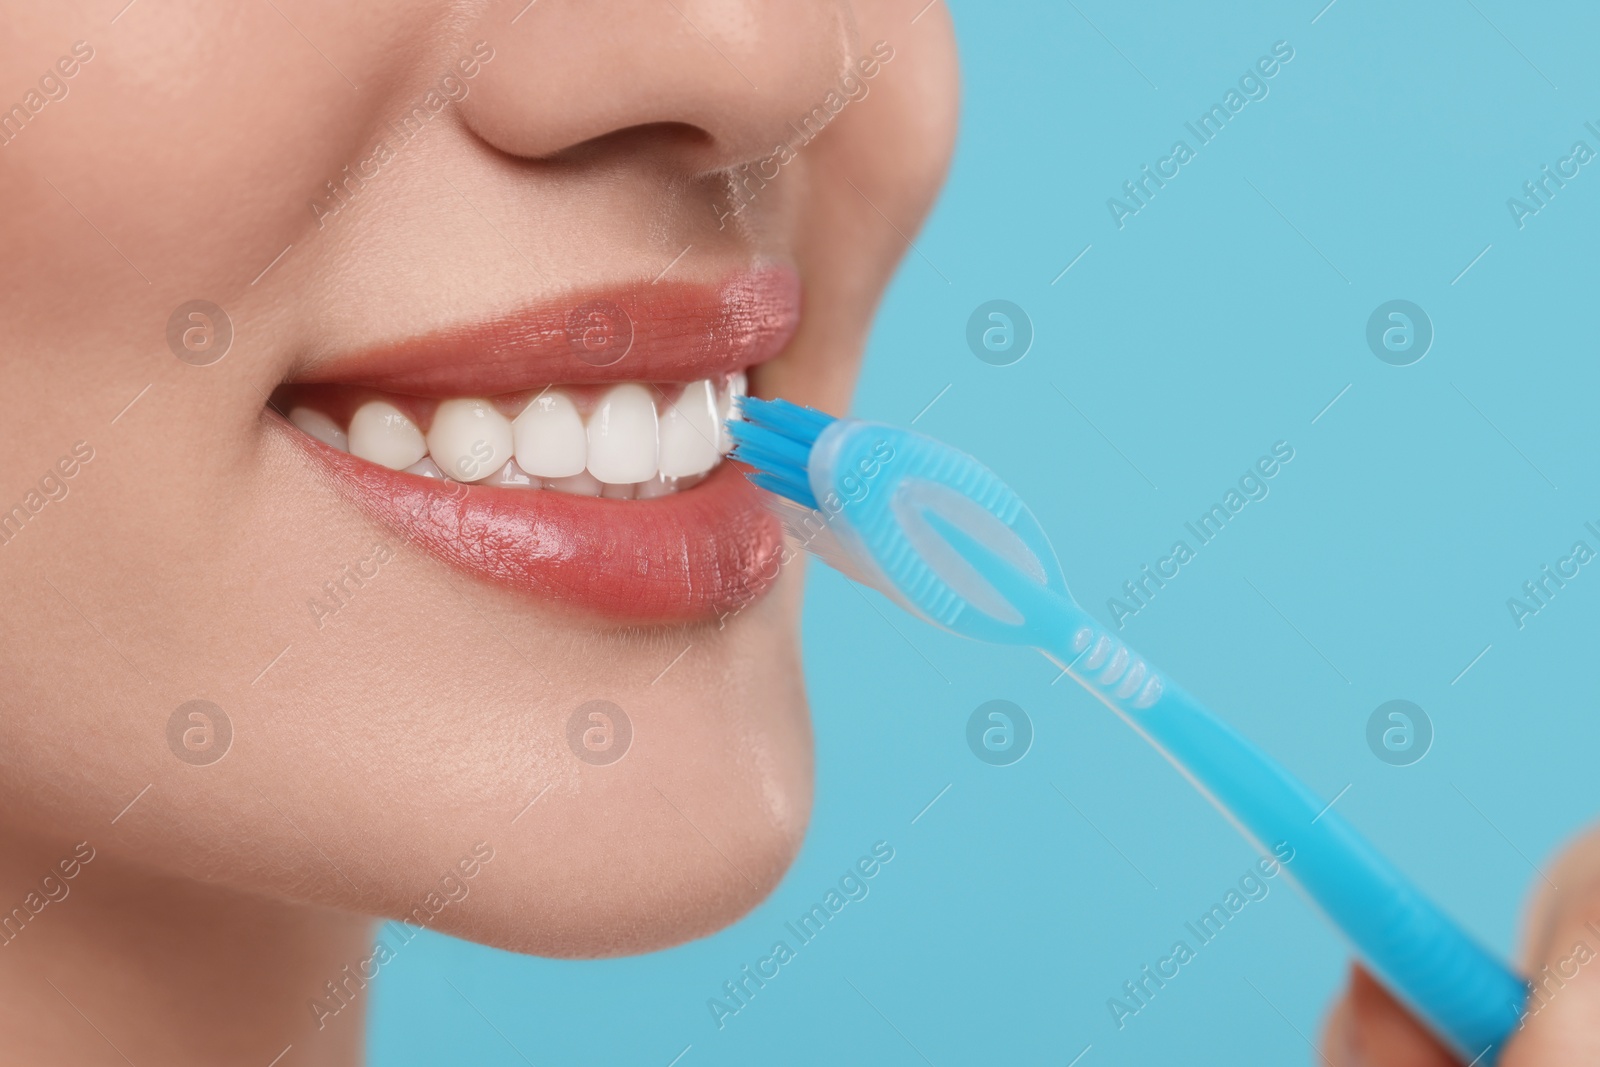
(1223, 318)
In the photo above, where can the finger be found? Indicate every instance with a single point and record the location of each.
(1336, 1042)
(1369, 1028)
(1570, 891)
(1561, 1021)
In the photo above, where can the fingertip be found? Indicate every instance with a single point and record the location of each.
(1369, 1028)
(1337, 1049)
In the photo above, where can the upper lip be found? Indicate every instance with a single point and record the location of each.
(665, 331)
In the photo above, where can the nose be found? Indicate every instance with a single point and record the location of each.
(719, 80)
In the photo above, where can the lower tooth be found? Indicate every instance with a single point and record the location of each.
(514, 476)
(584, 484)
(616, 492)
(656, 487)
(426, 468)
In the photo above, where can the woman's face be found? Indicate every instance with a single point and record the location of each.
(280, 280)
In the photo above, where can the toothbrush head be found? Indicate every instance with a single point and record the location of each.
(775, 437)
(922, 522)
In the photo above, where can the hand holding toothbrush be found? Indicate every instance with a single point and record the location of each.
(1369, 1028)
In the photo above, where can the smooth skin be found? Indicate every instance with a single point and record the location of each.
(387, 750)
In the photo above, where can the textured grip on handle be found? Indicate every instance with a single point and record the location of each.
(1101, 662)
(1443, 976)
(1468, 997)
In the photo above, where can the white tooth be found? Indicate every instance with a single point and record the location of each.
(689, 431)
(622, 435)
(321, 427)
(728, 397)
(655, 487)
(513, 476)
(582, 484)
(549, 437)
(381, 433)
(426, 468)
(469, 439)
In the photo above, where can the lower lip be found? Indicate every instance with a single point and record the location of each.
(691, 556)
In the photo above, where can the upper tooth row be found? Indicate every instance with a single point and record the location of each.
(625, 440)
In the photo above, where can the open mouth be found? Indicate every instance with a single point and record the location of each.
(630, 440)
(573, 452)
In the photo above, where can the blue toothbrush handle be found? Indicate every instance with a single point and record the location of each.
(1466, 996)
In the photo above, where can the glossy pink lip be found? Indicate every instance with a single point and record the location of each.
(693, 556)
(666, 332)
(690, 556)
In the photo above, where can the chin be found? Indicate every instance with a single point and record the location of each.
(657, 793)
(683, 836)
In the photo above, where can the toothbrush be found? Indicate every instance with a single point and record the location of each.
(949, 541)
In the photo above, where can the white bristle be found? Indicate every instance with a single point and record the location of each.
(811, 530)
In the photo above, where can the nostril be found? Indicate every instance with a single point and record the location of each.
(739, 73)
(670, 143)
